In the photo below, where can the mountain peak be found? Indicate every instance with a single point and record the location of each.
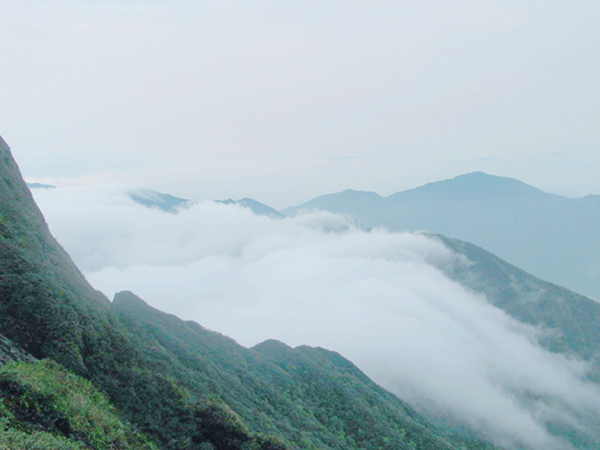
(272, 346)
(482, 177)
(129, 299)
(474, 183)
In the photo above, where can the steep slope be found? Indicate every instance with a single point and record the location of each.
(48, 309)
(569, 323)
(573, 319)
(550, 236)
(312, 398)
(332, 387)
(11, 352)
(43, 406)
(46, 305)
(177, 383)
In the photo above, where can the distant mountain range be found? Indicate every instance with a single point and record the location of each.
(154, 199)
(40, 186)
(553, 237)
(258, 208)
(184, 387)
(172, 204)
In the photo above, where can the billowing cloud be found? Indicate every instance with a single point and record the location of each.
(378, 298)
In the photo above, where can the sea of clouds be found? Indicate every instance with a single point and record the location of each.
(378, 298)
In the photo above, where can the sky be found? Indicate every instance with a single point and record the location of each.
(283, 101)
(380, 299)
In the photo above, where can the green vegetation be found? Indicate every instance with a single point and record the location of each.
(48, 309)
(124, 375)
(573, 318)
(69, 410)
(308, 398)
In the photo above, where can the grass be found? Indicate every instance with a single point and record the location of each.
(45, 406)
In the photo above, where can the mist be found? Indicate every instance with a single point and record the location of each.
(378, 298)
(254, 98)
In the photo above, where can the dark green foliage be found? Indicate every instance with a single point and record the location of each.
(344, 399)
(31, 409)
(220, 432)
(181, 385)
(48, 308)
(11, 352)
(311, 398)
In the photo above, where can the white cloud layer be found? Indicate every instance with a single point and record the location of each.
(377, 298)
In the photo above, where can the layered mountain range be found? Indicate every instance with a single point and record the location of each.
(168, 383)
(548, 235)
(173, 384)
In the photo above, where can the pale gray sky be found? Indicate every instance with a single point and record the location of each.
(286, 100)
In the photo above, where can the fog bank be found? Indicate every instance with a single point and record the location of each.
(380, 299)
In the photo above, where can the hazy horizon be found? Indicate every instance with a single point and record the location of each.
(36, 184)
(285, 101)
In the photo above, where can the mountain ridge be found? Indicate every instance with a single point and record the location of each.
(479, 180)
(548, 235)
(212, 395)
(188, 387)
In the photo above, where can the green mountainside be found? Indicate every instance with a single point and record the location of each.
(49, 310)
(181, 386)
(312, 398)
(11, 352)
(549, 236)
(43, 406)
(573, 318)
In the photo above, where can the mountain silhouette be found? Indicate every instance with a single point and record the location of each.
(548, 235)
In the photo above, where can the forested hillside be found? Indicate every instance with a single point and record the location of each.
(573, 319)
(310, 397)
(177, 383)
